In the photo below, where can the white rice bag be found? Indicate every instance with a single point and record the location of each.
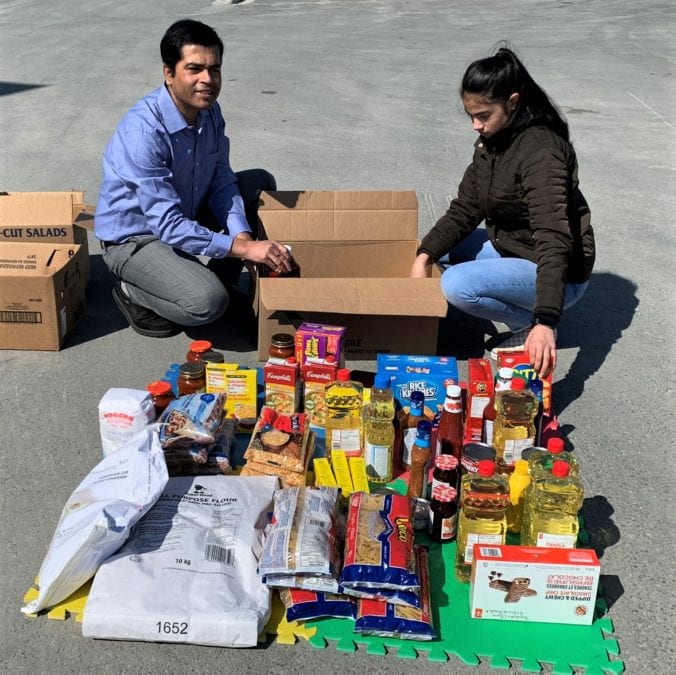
(188, 572)
(98, 516)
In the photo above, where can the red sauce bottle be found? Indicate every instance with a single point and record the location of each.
(162, 395)
(450, 434)
(196, 350)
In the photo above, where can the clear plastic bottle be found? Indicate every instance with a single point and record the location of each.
(552, 520)
(503, 381)
(540, 461)
(379, 432)
(344, 430)
(514, 429)
(450, 434)
(409, 426)
(537, 387)
(483, 502)
(518, 482)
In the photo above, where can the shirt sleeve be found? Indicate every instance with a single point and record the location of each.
(224, 198)
(142, 164)
(462, 217)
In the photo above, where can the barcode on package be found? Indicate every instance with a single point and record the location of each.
(213, 553)
(491, 552)
(20, 317)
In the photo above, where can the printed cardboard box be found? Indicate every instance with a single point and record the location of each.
(355, 250)
(523, 583)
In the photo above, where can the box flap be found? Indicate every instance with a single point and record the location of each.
(339, 215)
(21, 209)
(378, 297)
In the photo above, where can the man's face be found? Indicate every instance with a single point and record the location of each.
(196, 81)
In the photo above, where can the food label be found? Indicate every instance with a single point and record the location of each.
(556, 540)
(409, 437)
(348, 440)
(377, 460)
(474, 538)
(513, 449)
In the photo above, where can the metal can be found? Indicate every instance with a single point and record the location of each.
(473, 453)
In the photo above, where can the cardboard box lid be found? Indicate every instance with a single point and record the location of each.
(346, 215)
(23, 209)
(34, 260)
(378, 297)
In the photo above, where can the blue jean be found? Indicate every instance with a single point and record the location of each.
(178, 286)
(483, 284)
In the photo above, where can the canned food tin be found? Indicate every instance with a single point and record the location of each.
(473, 453)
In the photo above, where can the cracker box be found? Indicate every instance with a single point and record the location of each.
(479, 391)
(429, 374)
(523, 583)
(240, 386)
(282, 386)
(520, 364)
(316, 376)
(318, 343)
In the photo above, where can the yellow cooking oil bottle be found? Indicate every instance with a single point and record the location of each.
(518, 482)
(514, 428)
(344, 426)
(541, 460)
(551, 517)
(483, 503)
(379, 431)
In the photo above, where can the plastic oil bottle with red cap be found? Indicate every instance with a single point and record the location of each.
(344, 425)
(551, 517)
(483, 502)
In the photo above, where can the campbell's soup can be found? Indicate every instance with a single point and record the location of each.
(473, 453)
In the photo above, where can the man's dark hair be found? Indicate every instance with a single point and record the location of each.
(186, 32)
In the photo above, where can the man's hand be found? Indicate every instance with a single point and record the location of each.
(421, 267)
(540, 346)
(267, 251)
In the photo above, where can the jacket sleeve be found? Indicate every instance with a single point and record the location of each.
(462, 217)
(546, 184)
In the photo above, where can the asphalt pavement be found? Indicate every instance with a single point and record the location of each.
(346, 94)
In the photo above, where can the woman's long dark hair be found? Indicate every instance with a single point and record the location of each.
(497, 77)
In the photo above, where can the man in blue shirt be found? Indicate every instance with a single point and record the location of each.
(169, 195)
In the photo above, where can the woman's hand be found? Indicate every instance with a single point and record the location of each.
(421, 267)
(540, 346)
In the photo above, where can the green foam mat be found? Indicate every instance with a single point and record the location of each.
(565, 648)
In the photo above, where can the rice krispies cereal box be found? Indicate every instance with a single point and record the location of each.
(524, 583)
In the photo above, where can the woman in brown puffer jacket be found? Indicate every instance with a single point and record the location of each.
(536, 253)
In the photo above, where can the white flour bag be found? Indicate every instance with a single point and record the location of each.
(98, 516)
(122, 414)
(188, 571)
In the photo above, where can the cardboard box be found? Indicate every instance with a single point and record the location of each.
(42, 294)
(241, 389)
(316, 377)
(318, 343)
(522, 583)
(282, 386)
(479, 391)
(355, 250)
(47, 217)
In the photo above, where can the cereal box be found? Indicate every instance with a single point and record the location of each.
(520, 363)
(479, 391)
(523, 583)
(317, 343)
(429, 374)
(240, 386)
(282, 386)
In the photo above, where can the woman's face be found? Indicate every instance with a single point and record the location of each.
(489, 117)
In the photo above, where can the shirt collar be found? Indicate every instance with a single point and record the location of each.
(173, 119)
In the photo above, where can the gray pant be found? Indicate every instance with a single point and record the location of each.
(178, 286)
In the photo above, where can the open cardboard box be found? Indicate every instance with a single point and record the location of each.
(355, 250)
(44, 268)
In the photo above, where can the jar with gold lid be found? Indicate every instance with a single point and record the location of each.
(191, 379)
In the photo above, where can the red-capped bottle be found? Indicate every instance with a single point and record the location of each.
(196, 350)
(450, 434)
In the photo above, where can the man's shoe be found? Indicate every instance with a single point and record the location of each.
(144, 321)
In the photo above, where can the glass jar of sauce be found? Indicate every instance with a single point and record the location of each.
(191, 379)
(443, 514)
(162, 395)
(196, 350)
(446, 471)
(213, 356)
(282, 346)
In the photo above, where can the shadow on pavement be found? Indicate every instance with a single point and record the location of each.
(594, 325)
(7, 88)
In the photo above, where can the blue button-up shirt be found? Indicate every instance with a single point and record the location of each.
(157, 173)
